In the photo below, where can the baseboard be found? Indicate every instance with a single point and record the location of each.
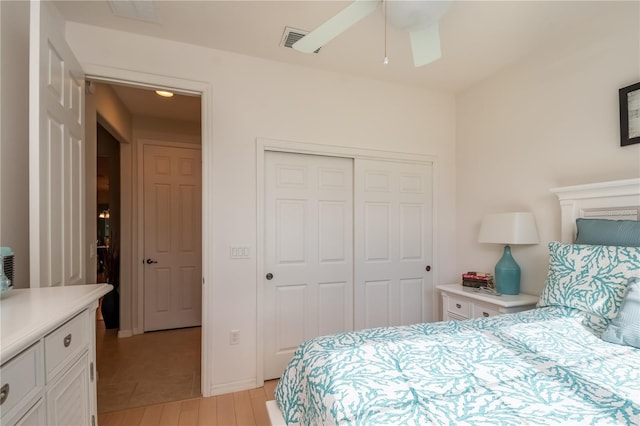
(124, 333)
(232, 387)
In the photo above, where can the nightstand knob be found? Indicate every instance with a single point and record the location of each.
(428, 268)
(458, 305)
(485, 314)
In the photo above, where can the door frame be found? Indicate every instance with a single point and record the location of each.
(130, 271)
(140, 143)
(266, 144)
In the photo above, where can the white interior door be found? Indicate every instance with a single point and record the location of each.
(308, 287)
(172, 237)
(393, 245)
(56, 153)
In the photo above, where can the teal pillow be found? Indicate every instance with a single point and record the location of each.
(625, 328)
(608, 232)
(590, 278)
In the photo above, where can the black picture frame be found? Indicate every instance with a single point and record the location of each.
(629, 123)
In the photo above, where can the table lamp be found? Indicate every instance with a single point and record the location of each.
(508, 228)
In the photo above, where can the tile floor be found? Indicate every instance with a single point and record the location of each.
(146, 369)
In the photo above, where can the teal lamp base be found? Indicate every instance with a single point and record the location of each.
(507, 274)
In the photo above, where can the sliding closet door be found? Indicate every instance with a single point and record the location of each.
(393, 245)
(308, 283)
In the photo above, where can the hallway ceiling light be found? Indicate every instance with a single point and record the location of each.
(164, 93)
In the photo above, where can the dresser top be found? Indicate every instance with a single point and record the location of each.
(29, 314)
(504, 300)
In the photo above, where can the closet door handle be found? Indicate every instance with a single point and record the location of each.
(269, 276)
(150, 261)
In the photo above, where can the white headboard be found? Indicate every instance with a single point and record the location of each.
(618, 199)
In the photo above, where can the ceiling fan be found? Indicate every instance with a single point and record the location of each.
(418, 17)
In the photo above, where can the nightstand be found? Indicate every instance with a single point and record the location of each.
(460, 303)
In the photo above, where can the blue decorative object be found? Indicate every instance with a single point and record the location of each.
(607, 232)
(507, 273)
(508, 228)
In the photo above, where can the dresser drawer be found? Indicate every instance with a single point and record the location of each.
(459, 307)
(66, 342)
(480, 311)
(36, 416)
(22, 378)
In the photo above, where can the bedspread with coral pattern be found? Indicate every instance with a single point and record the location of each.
(537, 367)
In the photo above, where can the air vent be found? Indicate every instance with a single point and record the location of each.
(291, 35)
(140, 10)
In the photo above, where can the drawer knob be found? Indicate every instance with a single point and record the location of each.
(67, 340)
(458, 305)
(485, 314)
(4, 393)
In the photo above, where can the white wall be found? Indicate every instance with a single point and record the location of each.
(257, 98)
(548, 121)
(14, 135)
(166, 130)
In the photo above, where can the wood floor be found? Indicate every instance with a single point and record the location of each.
(154, 379)
(238, 408)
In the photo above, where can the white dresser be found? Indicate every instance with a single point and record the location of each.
(47, 355)
(460, 302)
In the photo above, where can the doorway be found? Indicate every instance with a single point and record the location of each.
(108, 223)
(132, 365)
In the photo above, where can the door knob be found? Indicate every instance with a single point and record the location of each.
(428, 268)
(150, 261)
(269, 276)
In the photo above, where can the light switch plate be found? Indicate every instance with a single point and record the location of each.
(240, 252)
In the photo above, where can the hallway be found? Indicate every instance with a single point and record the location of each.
(146, 369)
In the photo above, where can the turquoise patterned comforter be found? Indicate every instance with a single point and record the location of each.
(536, 367)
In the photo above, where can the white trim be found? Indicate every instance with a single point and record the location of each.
(614, 188)
(240, 385)
(117, 75)
(124, 333)
(265, 144)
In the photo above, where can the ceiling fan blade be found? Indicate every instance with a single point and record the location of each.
(425, 45)
(336, 25)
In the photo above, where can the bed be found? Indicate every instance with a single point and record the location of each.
(552, 365)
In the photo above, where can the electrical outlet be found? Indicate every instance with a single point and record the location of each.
(234, 337)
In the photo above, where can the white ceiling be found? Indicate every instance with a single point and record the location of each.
(478, 37)
(145, 103)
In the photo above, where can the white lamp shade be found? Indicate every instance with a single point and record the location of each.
(509, 228)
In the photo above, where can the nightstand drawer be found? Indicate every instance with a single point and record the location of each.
(459, 307)
(480, 311)
(463, 302)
